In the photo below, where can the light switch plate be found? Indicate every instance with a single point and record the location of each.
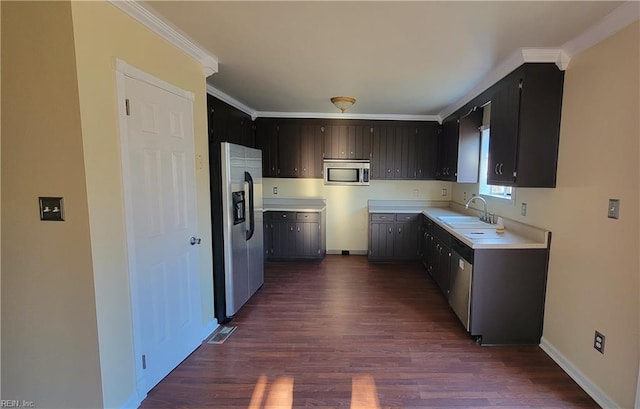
(614, 208)
(51, 209)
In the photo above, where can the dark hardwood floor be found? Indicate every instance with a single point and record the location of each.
(345, 333)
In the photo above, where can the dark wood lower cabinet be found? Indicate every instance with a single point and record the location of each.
(294, 235)
(508, 286)
(437, 255)
(394, 237)
(507, 295)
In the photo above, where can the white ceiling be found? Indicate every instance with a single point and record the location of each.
(402, 58)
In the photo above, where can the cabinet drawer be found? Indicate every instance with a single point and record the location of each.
(407, 217)
(283, 215)
(308, 216)
(442, 234)
(428, 223)
(382, 217)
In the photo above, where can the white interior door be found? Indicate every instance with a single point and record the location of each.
(159, 179)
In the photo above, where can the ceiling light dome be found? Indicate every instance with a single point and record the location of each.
(343, 103)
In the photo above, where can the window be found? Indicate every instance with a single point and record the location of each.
(499, 192)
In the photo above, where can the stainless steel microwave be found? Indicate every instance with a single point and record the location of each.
(346, 172)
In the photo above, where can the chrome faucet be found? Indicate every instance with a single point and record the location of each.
(485, 216)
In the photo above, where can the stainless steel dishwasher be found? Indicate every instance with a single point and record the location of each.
(460, 284)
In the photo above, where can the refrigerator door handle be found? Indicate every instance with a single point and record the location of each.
(248, 179)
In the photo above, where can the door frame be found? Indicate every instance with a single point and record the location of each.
(122, 71)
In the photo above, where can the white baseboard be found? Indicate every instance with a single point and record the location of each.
(581, 379)
(133, 402)
(209, 328)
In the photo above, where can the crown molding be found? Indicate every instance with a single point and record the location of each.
(211, 90)
(613, 22)
(516, 59)
(338, 115)
(619, 18)
(546, 55)
(170, 33)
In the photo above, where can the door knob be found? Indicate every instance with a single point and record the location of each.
(194, 240)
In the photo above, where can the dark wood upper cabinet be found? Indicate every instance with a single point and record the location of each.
(525, 127)
(459, 148)
(383, 151)
(335, 141)
(267, 140)
(400, 153)
(295, 148)
(359, 141)
(427, 150)
(310, 150)
(289, 149)
(229, 124)
(404, 150)
(346, 140)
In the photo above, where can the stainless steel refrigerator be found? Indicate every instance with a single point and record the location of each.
(242, 230)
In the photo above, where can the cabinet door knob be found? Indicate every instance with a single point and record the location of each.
(501, 167)
(495, 170)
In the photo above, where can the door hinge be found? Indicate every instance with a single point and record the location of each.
(520, 84)
(515, 174)
(144, 362)
(126, 107)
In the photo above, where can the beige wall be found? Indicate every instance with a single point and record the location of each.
(347, 217)
(103, 33)
(49, 334)
(0, 202)
(593, 281)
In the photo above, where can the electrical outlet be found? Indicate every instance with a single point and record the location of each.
(415, 193)
(598, 342)
(523, 209)
(51, 209)
(614, 208)
(275, 190)
(464, 196)
(443, 192)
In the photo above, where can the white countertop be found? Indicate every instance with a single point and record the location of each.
(516, 235)
(293, 205)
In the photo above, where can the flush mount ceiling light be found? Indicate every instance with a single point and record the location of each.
(343, 103)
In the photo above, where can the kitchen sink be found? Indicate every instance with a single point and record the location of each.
(464, 222)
